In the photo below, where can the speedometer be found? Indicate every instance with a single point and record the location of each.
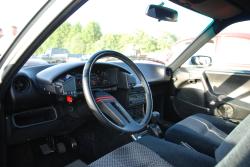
(100, 79)
(95, 80)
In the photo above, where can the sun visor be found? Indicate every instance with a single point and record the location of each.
(216, 9)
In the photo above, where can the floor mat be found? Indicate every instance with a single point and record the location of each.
(97, 140)
(94, 140)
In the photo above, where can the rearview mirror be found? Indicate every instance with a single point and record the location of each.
(162, 13)
(201, 60)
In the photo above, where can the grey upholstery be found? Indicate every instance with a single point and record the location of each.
(239, 155)
(234, 151)
(151, 151)
(177, 155)
(131, 155)
(233, 138)
(202, 132)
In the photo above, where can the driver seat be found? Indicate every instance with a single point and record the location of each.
(150, 151)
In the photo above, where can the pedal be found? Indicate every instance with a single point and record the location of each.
(73, 143)
(45, 149)
(61, 148)
(70, 142)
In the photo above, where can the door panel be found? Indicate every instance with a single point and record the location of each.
(225, 94)
(189, 95)
(229, 93)
(233, 85)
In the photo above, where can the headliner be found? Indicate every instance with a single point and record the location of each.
(217, 9)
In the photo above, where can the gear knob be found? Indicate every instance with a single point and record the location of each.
(155, 117)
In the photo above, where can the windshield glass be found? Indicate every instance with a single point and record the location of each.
(14, 15)
(122, 26)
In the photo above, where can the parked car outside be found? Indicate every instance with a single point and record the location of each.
(74, 57)
(56, 55)
(218, 50)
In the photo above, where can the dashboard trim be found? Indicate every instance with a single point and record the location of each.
(30, 111)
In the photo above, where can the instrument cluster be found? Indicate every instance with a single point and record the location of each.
(71, 83)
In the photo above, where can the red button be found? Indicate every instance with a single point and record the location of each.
(69, 99)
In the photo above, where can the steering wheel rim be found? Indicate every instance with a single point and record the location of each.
(132, 126)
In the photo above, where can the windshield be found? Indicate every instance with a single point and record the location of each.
(14, 15)
(122, 26)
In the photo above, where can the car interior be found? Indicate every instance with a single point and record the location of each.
(126, 113)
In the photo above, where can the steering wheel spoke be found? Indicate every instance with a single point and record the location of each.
(124, 112)
(108, 109)
(113, 109)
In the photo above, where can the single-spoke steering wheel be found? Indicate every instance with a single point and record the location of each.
(105, 107)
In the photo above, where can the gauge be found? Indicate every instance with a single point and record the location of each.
(96, 80)
(103, 78)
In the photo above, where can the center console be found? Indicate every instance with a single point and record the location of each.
(133, 100)
(136, 101)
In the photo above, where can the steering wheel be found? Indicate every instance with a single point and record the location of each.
(106, 107)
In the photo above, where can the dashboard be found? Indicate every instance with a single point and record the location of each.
(102, 77)
(48, 99)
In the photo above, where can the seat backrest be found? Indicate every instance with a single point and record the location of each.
(239, 156)
(236, 146)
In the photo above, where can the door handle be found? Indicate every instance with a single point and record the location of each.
(192, 81)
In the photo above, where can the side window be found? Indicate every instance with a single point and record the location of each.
(232, 50)
(204, 56)
(229, 49)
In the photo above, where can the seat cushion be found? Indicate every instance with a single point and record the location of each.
(150, 151)
(202, 132)
(177, 155)
(133, 155)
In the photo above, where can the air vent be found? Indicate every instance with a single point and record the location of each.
(21, 83)
(169, 72)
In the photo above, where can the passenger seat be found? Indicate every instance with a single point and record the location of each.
(202, 132)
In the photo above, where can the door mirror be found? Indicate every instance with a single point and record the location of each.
(201, 60)
(162, 13)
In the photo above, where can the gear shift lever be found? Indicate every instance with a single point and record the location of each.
(154, 125)
(155, 119)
